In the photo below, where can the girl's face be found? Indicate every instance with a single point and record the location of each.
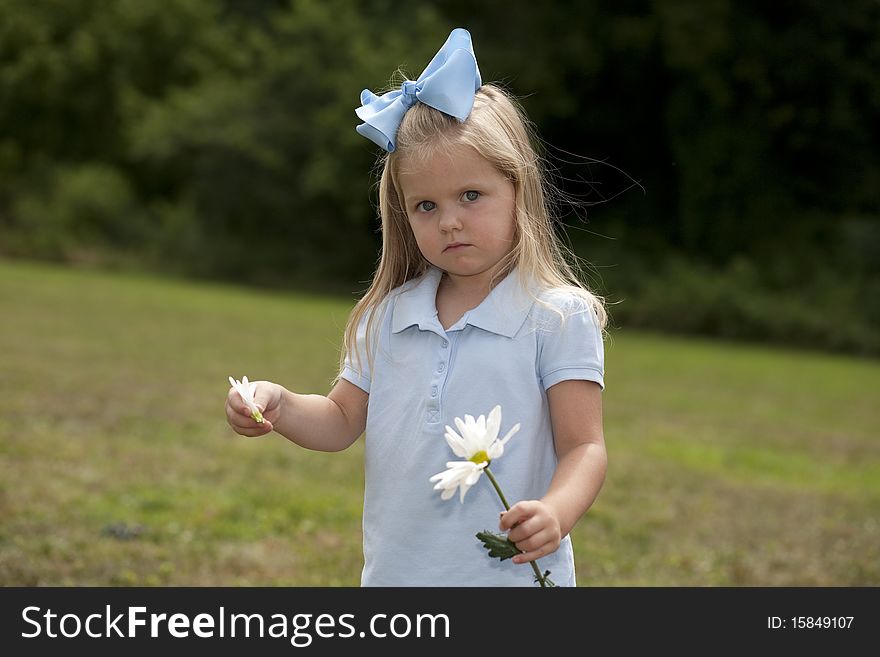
(461, 211)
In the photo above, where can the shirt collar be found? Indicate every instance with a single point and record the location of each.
(503, 311)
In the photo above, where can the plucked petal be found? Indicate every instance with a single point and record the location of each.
(246, 391)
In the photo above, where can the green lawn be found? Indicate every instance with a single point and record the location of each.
(729, 464)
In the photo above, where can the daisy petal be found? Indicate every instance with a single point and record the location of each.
(456, 443)
(510, 434)
(494, 423)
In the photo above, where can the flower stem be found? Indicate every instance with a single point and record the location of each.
(497, 487)
(534, 564)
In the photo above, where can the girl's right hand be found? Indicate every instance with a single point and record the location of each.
(267, 398)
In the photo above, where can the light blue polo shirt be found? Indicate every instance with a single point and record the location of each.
(507, 351)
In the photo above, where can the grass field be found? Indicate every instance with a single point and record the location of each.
(729, 465)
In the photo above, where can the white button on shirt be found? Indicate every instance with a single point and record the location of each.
(508, 350)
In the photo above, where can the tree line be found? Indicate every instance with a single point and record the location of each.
(717, 161)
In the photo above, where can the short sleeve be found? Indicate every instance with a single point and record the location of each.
(357, 370)
(571, 349)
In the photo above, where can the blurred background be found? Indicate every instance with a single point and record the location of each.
(183, 196)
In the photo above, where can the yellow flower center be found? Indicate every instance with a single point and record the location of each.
(479, 457)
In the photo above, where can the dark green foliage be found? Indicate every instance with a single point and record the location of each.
(690, 140)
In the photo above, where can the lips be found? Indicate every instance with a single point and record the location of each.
(455, 245)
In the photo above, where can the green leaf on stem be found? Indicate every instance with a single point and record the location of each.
(498, 545)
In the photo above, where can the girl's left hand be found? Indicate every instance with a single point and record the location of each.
(534, 527)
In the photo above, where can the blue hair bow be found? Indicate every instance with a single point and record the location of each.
(448, 84)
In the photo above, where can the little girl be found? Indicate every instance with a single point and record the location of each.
(472, 305)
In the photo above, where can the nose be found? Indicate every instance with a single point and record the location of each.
(450, 221)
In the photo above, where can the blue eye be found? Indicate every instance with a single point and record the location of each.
(472, 195)
(426, 206)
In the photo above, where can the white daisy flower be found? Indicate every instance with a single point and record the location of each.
(478, 443)
(479, 438)
(246, 392)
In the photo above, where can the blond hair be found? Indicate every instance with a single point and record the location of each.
(498, 129)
